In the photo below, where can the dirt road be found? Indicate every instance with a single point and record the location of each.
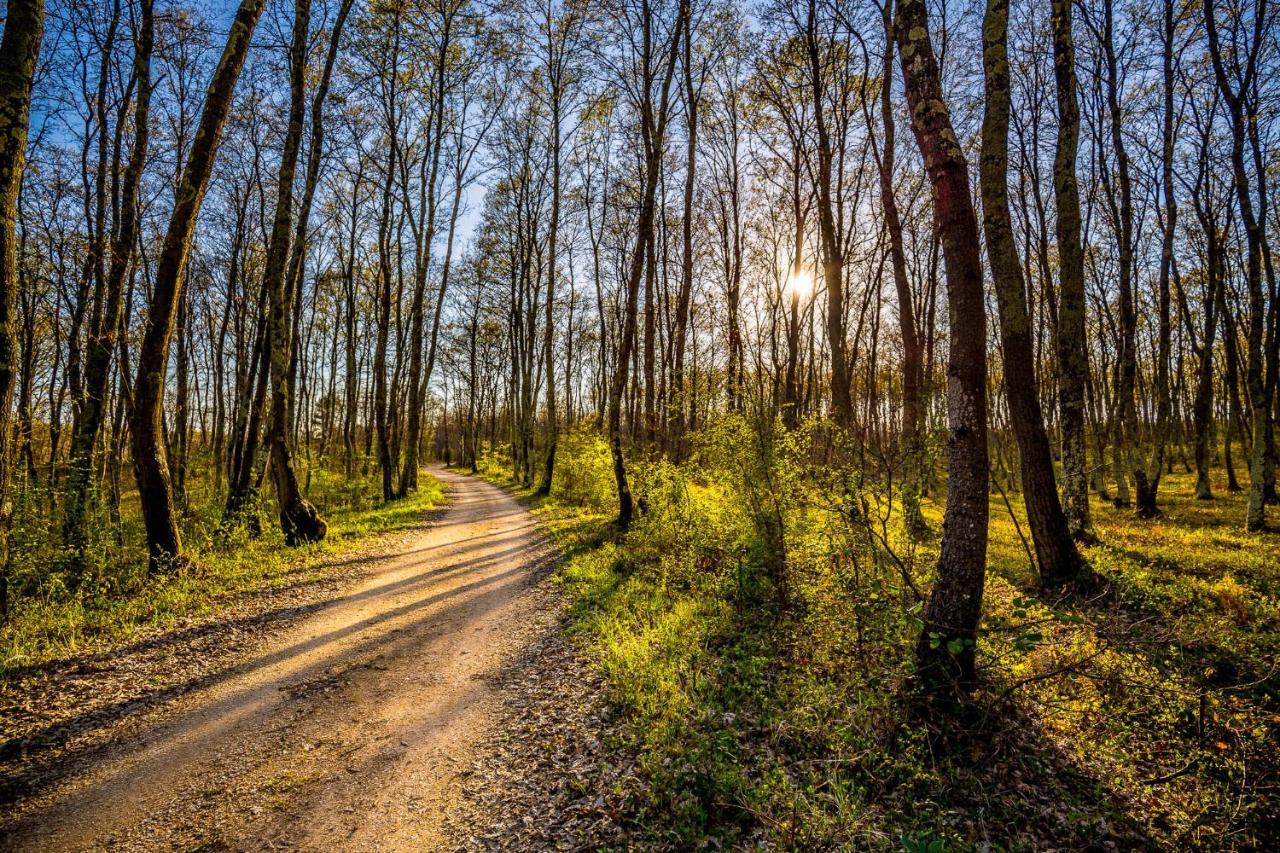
(353, 732)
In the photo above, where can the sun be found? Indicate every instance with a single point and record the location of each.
(800, 283)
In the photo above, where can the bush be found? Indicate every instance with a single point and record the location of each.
(584, 470)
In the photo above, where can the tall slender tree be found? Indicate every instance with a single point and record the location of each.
(1147, 480)
(1237, 87)
(1073, 357)
(1056, 553)
(19, 50)
(150, 462)
(298, 518)
(102, 343)
(651, 92)
(945, 651)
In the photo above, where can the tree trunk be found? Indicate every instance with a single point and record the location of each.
(912, 352)
(151, 469)
(832, 254)
(1056, 554)
(1124, 420)
(23, 29)
(1243, 112)
(1206, 210)
(102, 345)
(1231, 378)
(299, 520)
(416, 380)
(1147, 482)
(1073, 358)
(676, 402)
(380, 414)
(653, 135)
(945, 652)
(555, 81)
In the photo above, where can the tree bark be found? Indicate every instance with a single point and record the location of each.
(1073, 358)
(945, 652)
(299, 520)
(1059, 561)
(1243, 111)
(1124, 420)
(653, 125)
(151, 468)
(102, 345)
(380, 390)
(19, 50)
(677, 403)
(912, 352)
(832, 254)
(555, 84)
(1147, 482)
(416, 380)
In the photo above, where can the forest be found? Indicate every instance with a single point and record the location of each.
(870, 406)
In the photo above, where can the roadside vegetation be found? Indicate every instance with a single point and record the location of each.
(756, 626)
(50, 620)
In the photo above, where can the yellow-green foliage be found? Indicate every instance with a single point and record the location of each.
(755, 721)
(585, 478)
(49, 622)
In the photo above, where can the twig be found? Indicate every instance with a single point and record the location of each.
(1031, 557)
(1043, 676)
(1169, 777)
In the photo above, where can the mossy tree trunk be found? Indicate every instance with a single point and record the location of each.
(23, 30)
(1073, 357)
(945, 651)
(1059, 561)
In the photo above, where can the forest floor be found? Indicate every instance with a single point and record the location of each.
(1144, 715)
(387, 714)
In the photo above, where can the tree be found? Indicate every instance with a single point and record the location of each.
(150, 462)
(1207, 207)
(19, 49)
(1073, 358)
(298, 518)
(1242, 108)
(105, 328)
(560, 34)
(832, 249)
(654, 108)
(908, 325)
(1147, 481)
(945, 652)
(1056, 553)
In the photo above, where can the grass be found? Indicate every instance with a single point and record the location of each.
(48, 622)
(1143, 717)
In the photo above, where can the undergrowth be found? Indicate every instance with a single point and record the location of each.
(755, 625)
(49, 620)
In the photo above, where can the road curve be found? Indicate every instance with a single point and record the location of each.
(354, 731)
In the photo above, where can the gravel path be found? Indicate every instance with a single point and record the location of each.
(360, 726)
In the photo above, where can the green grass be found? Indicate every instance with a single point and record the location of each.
(48, 622)
(793, 723)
